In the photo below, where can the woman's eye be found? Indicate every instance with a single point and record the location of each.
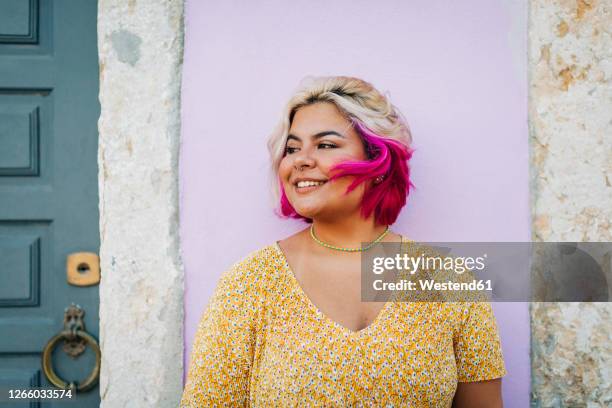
(290, 150)
(327, 146)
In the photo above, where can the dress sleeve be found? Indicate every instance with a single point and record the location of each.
(478, 352)
(222, 354)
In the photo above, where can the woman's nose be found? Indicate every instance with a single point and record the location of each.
(303, 160)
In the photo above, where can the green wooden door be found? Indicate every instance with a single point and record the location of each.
(48, 183)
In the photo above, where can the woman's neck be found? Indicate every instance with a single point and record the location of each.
(348, 232)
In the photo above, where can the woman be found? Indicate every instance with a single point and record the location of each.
(287, 327)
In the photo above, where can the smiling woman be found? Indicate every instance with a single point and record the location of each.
(287, 327)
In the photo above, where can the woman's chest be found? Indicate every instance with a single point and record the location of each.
(305, 358)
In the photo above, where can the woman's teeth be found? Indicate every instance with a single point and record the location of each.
(309, 183)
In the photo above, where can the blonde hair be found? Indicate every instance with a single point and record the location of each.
(355, 98)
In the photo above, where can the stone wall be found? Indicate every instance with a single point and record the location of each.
(141, 292)
(570, 58)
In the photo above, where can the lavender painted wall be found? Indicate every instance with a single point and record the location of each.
(456, 69)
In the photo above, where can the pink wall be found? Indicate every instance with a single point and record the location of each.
(456, 69)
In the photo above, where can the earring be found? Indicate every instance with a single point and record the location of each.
(379, 179)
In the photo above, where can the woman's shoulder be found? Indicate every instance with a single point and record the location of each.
(267, 257)
(257, 269)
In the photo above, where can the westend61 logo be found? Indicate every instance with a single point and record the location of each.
(489, 271)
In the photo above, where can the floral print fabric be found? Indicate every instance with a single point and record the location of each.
(262, 343)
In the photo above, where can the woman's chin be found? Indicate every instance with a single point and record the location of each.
(307, 211)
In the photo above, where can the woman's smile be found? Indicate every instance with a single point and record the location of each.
(305, 185)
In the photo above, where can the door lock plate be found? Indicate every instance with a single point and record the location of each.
(83, 269)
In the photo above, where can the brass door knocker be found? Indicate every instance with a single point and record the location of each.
(76, 339)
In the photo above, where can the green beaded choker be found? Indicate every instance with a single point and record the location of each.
(326, 245)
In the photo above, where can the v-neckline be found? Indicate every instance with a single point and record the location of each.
(314, 308)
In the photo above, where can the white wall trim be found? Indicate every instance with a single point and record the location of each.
(571, 172)
(140, 45)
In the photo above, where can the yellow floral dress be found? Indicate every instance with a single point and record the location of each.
(261, 342)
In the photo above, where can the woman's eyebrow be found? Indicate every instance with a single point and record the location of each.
(317, 135)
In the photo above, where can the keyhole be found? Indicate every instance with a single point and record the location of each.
(83, 268)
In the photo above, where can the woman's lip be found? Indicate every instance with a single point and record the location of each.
(304, 190)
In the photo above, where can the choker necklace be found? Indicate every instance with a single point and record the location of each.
(365, 248)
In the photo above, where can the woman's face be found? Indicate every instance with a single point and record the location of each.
(319, 138)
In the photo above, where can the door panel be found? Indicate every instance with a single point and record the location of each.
(48, 182)
(19, 22)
